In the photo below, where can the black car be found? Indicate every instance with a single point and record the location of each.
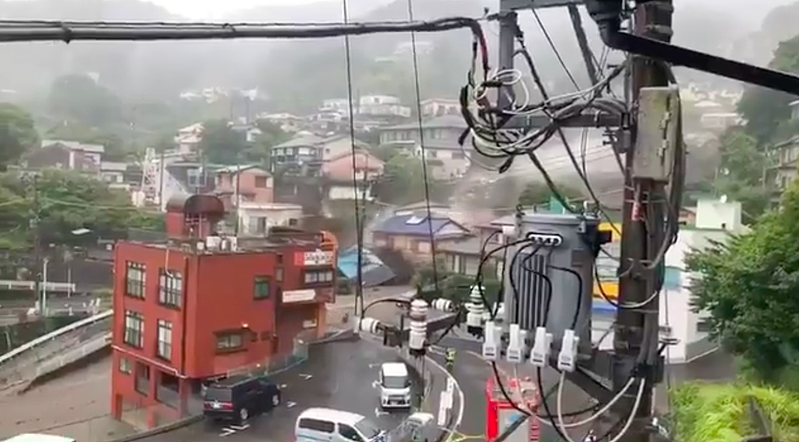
(236, 398)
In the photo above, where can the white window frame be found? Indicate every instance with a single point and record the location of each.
(170, 288)
(135, 279)
(164, 350)
(134, 329)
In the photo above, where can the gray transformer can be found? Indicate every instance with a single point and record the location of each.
(549, 277)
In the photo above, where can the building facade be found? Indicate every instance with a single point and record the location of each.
(201, 306)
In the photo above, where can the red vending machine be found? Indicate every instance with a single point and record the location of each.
(501, 413)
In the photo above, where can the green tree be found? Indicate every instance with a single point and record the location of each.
(749, 283)
(221, 144)
(78, 98)
(766, 110)
(536, 193)
(17, 133)
(115, 149)
(403, 180)
(66, 201)
(740, 174)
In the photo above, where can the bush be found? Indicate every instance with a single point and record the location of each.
(720, 412)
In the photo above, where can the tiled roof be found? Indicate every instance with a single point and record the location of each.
(412, 225)
(301, 140)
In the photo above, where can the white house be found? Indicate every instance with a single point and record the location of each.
(258, 218)
(715, 220)
(188, 138)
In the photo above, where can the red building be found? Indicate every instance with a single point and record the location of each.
(200, 306)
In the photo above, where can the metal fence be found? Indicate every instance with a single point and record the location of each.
(277, 363)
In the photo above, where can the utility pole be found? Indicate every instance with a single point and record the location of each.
(643, 231)
(35, 221)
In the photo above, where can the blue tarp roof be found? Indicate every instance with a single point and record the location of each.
(411, 225)
(374, 271)
(602, 306)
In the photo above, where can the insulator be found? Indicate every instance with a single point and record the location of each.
(369, 325)
(418, 325)
(443, 305)
(475, 309)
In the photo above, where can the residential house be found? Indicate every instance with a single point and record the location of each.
(305, 153)
(185, 177)
(447, 158)
(249, 182)
(188, 138)
(715, 221)
(287, 122)
(248, 130)
(782, 169)
(258, 218)
(437, 107)
(114, 173)
(382, 106)
(410, 234)
(336, 104)
(338, 174)
(70, 155)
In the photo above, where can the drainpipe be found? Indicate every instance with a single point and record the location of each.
(184, 315)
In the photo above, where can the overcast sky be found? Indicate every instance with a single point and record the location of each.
(209, 9)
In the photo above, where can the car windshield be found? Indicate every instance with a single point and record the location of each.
(367, 429)
(218, 394)
(395, 382)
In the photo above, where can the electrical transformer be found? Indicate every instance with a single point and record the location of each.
(549, 276)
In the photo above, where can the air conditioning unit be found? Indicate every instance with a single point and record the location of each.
(213, 242)
(224, 245)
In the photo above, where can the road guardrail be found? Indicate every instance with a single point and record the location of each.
(24, 348)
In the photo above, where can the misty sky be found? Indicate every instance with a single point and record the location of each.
(196, 9)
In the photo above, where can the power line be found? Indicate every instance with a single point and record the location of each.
(422, 149)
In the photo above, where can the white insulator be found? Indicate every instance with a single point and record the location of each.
(369, 325)
(443, 305)
(418, 324)
(475, 310)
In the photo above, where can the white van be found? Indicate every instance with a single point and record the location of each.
(395, 385)
(327, 425)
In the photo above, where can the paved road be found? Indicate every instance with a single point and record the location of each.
(338, 375)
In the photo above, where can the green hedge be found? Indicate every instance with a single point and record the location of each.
(720, 412)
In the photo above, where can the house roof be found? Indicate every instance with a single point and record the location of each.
(242, 168)
(373, 271)
(75, 145)
(442, 122)
(301, 140)
(414, 224)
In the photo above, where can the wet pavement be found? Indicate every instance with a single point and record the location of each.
(338, 375)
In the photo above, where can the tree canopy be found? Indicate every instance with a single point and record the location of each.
(80, 99)
(766, 111)
(536, 193)
(403, 181)
(17, 132)
(748, 284)
(740, 173)
(66, 201)
(222, 143)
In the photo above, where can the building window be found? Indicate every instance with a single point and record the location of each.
(124, 366)
(229, 341)
(704, 326)
(279, 274)
(170, 288)
(134, 329)
(318, 276)
(135, 279)
(142, 383)
(260, 182)
(261, 287)
(164, 339)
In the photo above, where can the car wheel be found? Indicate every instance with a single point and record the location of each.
(275, 400)
(244, 414)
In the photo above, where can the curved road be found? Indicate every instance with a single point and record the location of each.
(337, 375)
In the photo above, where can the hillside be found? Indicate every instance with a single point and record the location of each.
(302, 72)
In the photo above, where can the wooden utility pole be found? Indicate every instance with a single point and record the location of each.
(643, 233)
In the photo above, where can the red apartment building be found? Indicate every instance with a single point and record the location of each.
(199, 306)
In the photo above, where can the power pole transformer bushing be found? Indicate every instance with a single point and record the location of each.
(550, 277)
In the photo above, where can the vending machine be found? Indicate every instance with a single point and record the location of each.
(501, 413)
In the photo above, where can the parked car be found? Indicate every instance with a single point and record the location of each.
(236, 398)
